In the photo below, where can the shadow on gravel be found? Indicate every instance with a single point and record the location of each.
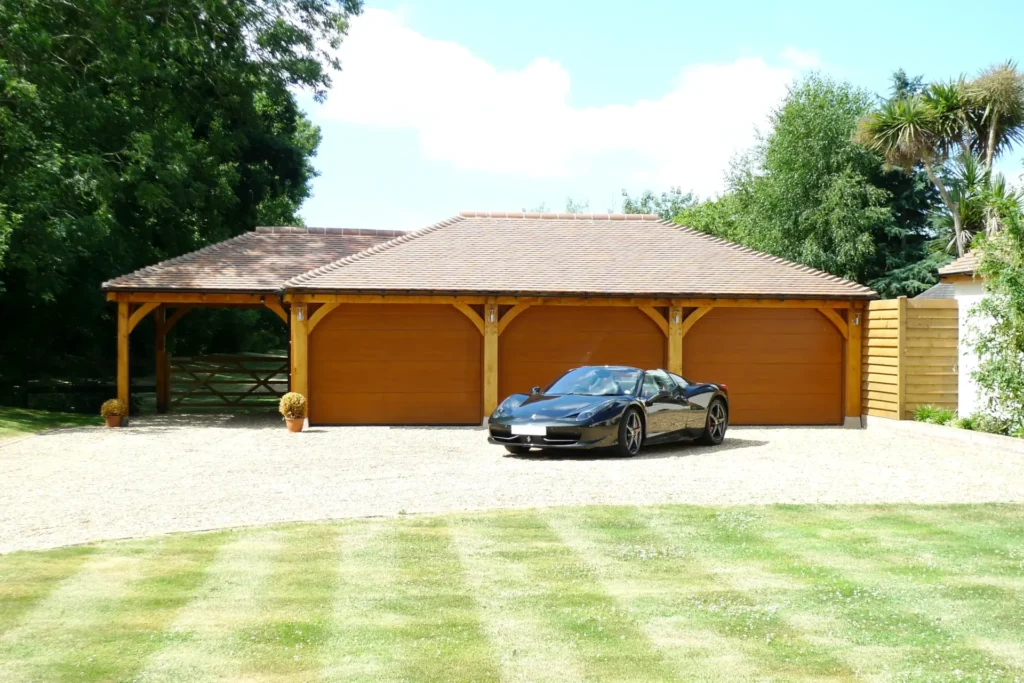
(669, 450)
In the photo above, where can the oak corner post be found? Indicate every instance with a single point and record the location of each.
(675, 339)
(490, 368)
(162, 360)
(300, 351)
(853, 402)
(123, 314)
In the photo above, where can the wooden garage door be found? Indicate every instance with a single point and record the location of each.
(395, 364)
(545, 341)
(782, 365)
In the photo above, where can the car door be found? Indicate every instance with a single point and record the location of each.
(696, 410)
(666, 406)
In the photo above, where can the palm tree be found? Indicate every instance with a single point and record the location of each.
(998, 96)
(920, 129)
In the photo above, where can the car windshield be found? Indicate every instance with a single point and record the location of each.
(596, 382)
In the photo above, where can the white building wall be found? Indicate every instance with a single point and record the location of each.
(968, 294)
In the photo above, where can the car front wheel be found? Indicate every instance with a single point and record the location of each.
(631, 434)
(716, 423)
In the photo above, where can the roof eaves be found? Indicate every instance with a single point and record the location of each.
(301, 280)
(156, 267)
(772, 259)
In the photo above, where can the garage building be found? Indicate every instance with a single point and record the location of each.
(436, 326)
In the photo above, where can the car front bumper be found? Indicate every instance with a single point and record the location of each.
(557, 434)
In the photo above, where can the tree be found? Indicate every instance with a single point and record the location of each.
(997, 332)
(134, 131)
(667, 205)
(947, 121)
(808, 193)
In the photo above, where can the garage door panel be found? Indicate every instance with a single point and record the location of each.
(783, 366)
(395, 364)
(545, 341)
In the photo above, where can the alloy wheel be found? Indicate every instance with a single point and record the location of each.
(717, 421)
(634, 432)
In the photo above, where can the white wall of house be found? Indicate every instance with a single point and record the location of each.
(968, 294)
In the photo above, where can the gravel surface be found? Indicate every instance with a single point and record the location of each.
(178, 473)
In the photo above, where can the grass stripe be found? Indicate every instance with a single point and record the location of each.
(283, 639)
(200, 644)
(527, 648)
(561, 590)
(26, 578)
(103, 621)
(403, 610)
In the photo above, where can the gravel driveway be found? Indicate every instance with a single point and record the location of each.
(177, 473)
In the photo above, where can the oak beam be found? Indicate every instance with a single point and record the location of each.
(122, 352)
(836, 320)
(473, 316)
(510, 315)
(318, 315)
(300, 351)
(567, 301)
(278, 310)
(140, 313)
(659, 320)
(854, 324)
(490, 369)
(189, 298)
(675, 340)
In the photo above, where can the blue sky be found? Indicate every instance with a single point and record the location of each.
(462, 105)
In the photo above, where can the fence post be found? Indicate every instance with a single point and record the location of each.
(901, 362)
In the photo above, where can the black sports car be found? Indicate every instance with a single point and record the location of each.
(611, 406)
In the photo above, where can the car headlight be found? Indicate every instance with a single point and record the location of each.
(508, 405)
(591, 412)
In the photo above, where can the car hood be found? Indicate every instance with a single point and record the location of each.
(547, 407)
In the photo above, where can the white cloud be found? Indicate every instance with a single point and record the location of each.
(477, 117)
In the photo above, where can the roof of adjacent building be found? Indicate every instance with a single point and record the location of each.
(259, 261)
(965, 265)
(943, 290)
(527, 253)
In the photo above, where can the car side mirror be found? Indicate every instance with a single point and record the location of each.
(535, 390)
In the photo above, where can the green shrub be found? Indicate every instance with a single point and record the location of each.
(934, 415)
(980, 422)
(113, 407)
(293, 406)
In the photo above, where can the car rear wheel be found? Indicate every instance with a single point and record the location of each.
(518, 450)
(716, 423)
(631, 434)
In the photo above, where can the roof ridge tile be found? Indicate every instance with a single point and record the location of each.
(547, 215)
(370, 251)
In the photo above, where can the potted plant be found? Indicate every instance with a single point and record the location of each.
(113, 411)
(293, 407)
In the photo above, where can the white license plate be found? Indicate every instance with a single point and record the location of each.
(529, 430)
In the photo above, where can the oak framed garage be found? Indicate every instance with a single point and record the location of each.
(484, 304)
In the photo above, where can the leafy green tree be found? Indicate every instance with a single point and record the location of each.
(997, 333)
(134, 130)
(668, 205)
(808, 193)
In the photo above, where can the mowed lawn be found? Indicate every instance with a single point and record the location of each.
(16, 422)
(599, 593)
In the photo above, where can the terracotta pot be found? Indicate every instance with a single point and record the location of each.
(113, 420)
(295, 424)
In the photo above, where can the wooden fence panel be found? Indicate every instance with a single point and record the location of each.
(910, 356)
(219, 381)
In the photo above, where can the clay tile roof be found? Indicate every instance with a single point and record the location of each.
(572, 255)
(965, 265)
(259, 261)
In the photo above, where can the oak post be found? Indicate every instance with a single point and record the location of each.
(490, 358)
(675, 340)
(123, 314)
(855, 327)
(162, 370)
(901, 351)
(300, 351)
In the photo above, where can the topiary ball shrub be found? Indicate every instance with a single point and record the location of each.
(113, 408)
(293, 406)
